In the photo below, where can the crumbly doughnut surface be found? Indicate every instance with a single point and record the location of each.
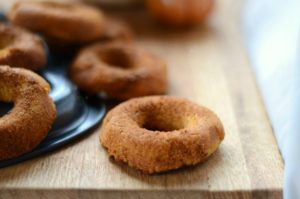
(160, 133)
(28, 123)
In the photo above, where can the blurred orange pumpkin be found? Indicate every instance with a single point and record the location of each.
(180, 12)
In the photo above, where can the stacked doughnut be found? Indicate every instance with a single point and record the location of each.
(62, 25)
(118, 68)
(152, 133)
(34, 112)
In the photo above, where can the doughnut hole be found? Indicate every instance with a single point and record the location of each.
(165, 119)
(6, 98)
(117, 58)
(156, 123)
(5, 108)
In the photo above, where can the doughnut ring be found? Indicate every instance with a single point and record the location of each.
(160, 133)
(28, 123)
(19, 48)
(121, 70)
(70, 22)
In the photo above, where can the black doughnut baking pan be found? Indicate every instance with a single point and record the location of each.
(77, 113)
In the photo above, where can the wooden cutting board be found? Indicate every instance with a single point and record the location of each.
(208, 65)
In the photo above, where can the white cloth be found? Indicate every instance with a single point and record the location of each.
(271, 31)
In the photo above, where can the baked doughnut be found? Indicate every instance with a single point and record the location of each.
(28, 123)
(19, 48)
(160, 133)
(119, 69)
(70, 22)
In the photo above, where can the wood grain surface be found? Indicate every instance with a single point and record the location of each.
(208, 65)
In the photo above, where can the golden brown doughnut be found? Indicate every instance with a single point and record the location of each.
(19, 48)
(28, 123)
(180, 13)
(121, 70)
(160, 133)
(70, 22)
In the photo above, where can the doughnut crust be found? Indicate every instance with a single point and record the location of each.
(28, 123)
(121, 70)
(20, 48)
(160, 133)
(69, 22)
